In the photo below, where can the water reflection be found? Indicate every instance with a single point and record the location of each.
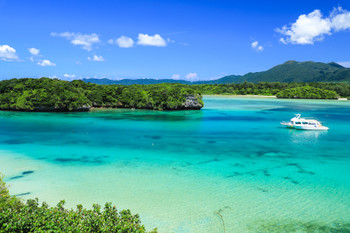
(305, 136)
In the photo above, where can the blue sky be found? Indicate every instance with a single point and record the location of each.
(192, 40)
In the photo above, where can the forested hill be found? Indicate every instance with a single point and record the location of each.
(290, 71)
(53, 95)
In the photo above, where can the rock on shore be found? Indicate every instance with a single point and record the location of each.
(193, 102)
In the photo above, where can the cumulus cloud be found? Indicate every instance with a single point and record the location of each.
(191, 76)
(147, 40)
(86, 41)
(124, 42)
(34, 51)
(7, 53)
(340, 19)
(46, 63)
(314, 27)
(255, 45)
(175, 77)
(96, 58)
(36, 57)
(69, 75)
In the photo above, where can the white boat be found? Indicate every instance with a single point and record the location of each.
(304, 123)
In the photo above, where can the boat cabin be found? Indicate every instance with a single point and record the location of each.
(305, 122)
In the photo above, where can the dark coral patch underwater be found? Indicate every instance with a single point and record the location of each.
(290, 226)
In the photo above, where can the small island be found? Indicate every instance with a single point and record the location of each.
(294, 90)
(53, 95)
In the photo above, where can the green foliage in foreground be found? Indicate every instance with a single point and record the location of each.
(16, 216)
(273, 88)
(57, 95)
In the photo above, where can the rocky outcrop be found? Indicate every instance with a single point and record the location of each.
(193, 102)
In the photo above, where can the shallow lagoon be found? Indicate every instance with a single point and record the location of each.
(226, 168)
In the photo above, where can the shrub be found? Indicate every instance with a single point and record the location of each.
(17, 216)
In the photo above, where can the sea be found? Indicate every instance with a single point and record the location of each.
(229, 167)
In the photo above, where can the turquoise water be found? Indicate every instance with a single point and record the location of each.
(227, 168)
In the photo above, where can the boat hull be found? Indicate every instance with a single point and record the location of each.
(317, 128)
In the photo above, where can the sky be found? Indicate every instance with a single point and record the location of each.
(179, 39)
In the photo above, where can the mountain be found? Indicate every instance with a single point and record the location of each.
(290, 71)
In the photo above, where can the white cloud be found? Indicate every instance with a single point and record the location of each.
(260, 48)
(46, 63)
(156, 40)
(96, 58)
(124, 42)
(34, 51)
(78, 62)
(314, 27)
(110, 41)
(7, 53)
(255, 45)
(86, 41)
(175, 77)
(340, 19)
(344, 63)
(191, 76)
(69, 75)
(283, 41)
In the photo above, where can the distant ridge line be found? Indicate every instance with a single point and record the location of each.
(290, 71)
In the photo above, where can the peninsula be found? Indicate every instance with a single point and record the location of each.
(53, 95)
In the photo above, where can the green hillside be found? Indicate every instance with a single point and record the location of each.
(292, 71)
(288, 72)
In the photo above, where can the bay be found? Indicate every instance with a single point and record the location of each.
(229, 167)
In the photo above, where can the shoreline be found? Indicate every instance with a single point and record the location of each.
(269, 97)
(242, 96)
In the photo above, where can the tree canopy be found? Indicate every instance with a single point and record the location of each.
(46, 94)
(30, 216)
(273, 88)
